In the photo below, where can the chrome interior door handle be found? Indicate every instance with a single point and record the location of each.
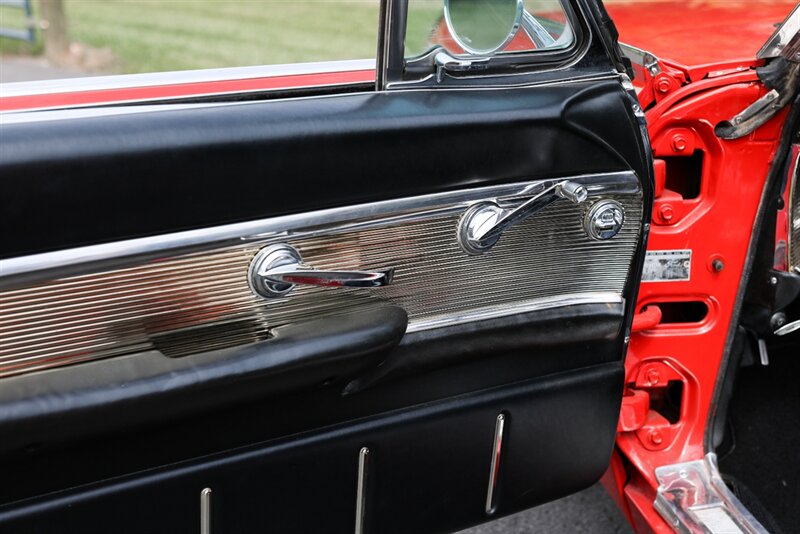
(483, 223)
(299, 274)
(276, 269)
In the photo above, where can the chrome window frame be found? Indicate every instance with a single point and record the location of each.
(393, 66)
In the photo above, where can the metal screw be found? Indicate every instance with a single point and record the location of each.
(679, 143)
(653, 376)
(717, 265)
(666, 212)
(655, 437)
(663, 85)
(777, 320)
(773, 281)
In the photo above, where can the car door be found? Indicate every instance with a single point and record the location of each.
(398, 307)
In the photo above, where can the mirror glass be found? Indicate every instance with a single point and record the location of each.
(543, 27)
(483, 26)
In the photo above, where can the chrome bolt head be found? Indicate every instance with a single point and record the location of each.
(478, 217)
(268, 258)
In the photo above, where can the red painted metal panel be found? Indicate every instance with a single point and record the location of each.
(716, 226)
(699, 32)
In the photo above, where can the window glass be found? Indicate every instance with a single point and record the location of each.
(543, 26)
(133, 36)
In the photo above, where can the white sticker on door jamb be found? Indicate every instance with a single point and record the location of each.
(667, 266)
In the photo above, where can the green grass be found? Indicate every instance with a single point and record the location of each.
(163, 35)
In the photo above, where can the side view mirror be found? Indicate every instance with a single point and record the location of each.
(483, 26)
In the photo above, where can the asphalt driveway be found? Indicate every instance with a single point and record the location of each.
(590, 511)
(27, 69)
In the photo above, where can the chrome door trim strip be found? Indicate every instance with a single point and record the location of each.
(205, 511)
(33, 268)
(361, 489)
(127, 81)
(28, 116)
(504, 310)
(497, 445)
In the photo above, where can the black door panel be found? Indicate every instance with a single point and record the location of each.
(153, 173)
(428, 465)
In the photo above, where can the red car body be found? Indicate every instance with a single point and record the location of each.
(707, 53)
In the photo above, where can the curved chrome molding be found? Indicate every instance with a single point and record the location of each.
(23, 270)
(504, 310)
(127, 81)
(28, 116)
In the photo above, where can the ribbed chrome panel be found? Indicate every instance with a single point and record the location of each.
(201, 301)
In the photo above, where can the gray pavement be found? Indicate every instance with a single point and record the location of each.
(26, 69)
(590, 511)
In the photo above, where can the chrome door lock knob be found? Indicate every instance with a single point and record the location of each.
(604, 220)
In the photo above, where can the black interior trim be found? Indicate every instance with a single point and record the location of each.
(529, 333)
(126, 176)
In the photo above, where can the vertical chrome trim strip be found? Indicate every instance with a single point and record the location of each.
(495, 467)
(205, 511)
(361, 494)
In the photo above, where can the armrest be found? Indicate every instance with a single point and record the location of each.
(72, 402)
